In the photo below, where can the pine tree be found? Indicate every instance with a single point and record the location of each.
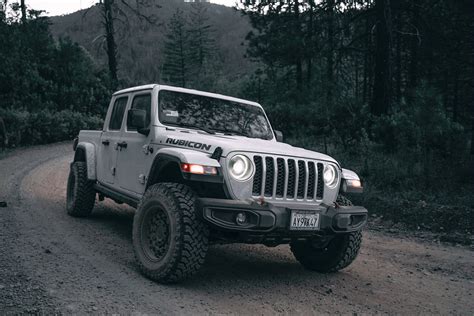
(177, 54)
(201, 35)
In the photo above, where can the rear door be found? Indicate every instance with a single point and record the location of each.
(134, 160)
(108, 146)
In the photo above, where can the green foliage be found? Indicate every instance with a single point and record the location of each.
(414, 156)
(49, 89)
(201, 39)
(189, 49)
(424, 126)
(177, 54)
(140, 45)
(46, 126)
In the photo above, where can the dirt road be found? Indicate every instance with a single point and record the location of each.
(52, 263)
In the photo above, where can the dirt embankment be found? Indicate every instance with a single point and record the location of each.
(52, 263)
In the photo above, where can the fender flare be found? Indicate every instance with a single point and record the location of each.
(165, 156)
(348, 178)
(349, 175)
(190, 156)
(86, 152)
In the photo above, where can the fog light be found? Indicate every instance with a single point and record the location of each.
(241, 218)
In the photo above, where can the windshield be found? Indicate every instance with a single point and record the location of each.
(213, 115)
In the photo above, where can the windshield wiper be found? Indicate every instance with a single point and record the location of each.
(204, 129)
(232, 132)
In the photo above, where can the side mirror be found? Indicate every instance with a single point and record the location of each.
(137, 120)
(279, 136)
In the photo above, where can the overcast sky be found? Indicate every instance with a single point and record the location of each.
(57, 7)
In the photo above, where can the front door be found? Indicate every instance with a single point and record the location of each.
(109, 139)
(134, 158)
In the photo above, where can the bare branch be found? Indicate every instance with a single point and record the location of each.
(149, 19)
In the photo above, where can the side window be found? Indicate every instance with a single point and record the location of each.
(141, 102)
(117, 114)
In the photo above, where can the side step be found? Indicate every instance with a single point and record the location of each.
(116, 196)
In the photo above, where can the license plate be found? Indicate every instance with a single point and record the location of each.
(304, 220)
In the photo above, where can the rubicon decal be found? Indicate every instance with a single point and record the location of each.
(186, 143)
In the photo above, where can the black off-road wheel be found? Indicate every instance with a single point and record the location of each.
(169, 240)
(339, 253)
(80, 196)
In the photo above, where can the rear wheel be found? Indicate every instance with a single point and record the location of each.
(80, 197)
(339, 253)
(170, 242)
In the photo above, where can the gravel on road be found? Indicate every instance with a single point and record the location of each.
(51, 263)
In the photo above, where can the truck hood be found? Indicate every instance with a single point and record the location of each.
(191, 139)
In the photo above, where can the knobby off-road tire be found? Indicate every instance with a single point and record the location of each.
(80, 197)
(337, 255)
(169, 240)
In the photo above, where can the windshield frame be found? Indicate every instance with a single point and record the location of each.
(210, 95)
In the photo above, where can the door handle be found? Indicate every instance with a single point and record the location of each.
(106, 142)
(122, 144)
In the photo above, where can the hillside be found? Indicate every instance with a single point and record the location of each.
(140, 45)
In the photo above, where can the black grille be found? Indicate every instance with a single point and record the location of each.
(291, 179)
(311, 179)
(301, 178)
(320, 193)
(281, 174)
(280, 177)
(257, 179)
(269, 176)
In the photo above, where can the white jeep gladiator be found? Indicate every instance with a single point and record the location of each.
(203, 168)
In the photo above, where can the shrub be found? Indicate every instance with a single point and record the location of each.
(45, 126)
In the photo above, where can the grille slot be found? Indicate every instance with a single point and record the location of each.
(257, 179)
(301, 178)
(287, 178)
(290, 193)
(320, 192)
(311, 180)
(280, 189)
(269, 176)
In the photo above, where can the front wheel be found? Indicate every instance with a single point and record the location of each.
(80, 194)
(169, 240)
(338, 254)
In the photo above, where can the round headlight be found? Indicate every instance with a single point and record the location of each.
(240, 168)
(330, 176)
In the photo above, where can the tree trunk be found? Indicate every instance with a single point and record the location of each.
(382, 82)
(330, 54)
(182, 60)
(298, 57)
(414, 42)
(367, 70)
(356, 79)
(472, 137)
(111, 48)
(23, 11)
(471, 156)
(455, 96)
(309, 52)
(4, 6)
(398, 57)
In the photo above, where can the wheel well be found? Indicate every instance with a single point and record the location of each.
(168, 170)
(80, 155)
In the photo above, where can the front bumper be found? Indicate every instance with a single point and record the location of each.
(269, 218)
